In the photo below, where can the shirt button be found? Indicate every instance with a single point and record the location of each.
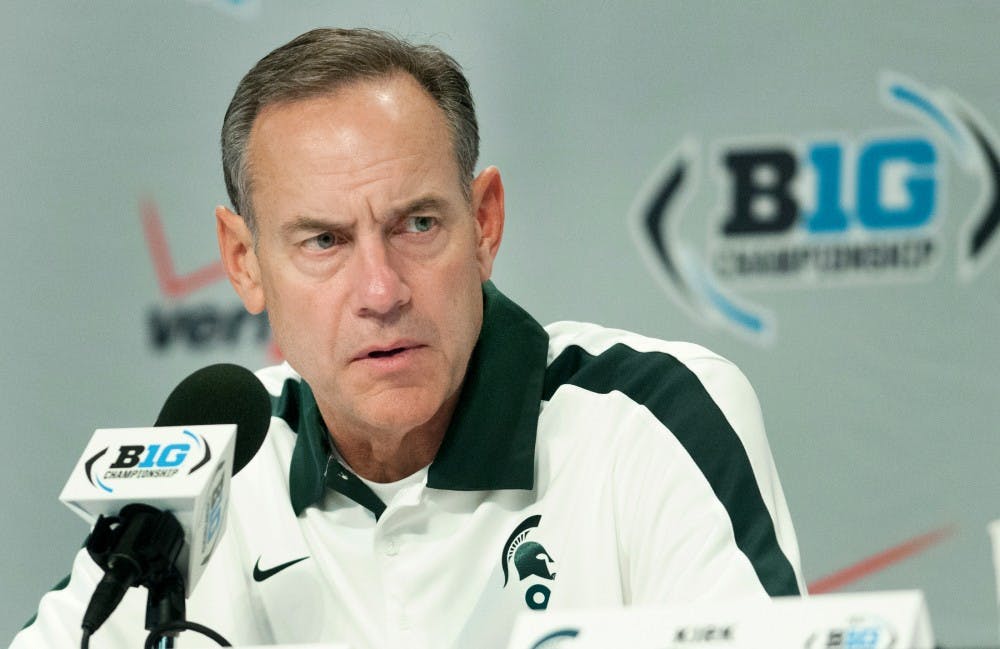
(391, 547)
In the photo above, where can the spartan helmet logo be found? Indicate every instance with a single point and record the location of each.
(531, 559)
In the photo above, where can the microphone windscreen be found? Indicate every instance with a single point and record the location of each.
(222, 394)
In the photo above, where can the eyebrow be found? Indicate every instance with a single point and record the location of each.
(307, 224)
(304, 223)
(424, 203)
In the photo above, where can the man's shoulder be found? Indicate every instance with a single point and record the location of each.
(278, 378)
(574, 346)
(285, 387)
(273, 458)
(689, 389)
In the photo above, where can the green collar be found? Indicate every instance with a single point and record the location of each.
(490, 443)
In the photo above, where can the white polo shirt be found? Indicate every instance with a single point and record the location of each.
(583, 467)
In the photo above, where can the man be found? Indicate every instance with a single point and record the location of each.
(437, 461)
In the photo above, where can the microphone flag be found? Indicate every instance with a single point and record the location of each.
(184, 470)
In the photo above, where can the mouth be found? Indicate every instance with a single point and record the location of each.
(379, 353)
(391, 350)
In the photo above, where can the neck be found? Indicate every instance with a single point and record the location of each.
(389, 455)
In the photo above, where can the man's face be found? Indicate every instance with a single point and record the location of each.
(369, 258)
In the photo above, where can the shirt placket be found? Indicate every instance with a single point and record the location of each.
(394, 545)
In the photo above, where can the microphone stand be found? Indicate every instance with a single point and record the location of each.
(165, 604)
(139, 547)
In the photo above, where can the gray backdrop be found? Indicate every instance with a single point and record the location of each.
(878, 382)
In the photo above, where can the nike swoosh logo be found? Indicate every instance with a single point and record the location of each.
(261, 575)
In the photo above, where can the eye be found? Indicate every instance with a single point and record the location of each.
(323, 241)
(419, 224)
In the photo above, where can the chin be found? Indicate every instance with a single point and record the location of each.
(399, 413)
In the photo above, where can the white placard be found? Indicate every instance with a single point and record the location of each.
(896, 619)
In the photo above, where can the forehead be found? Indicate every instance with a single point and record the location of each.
(355, 133)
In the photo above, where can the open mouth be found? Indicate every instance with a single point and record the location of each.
(387, 353)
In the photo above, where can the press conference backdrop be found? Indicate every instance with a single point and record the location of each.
(808, 188)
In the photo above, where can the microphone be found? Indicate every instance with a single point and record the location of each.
(160, 494)
(222, 394)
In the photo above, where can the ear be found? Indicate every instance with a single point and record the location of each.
(239, 258)
(487, 205)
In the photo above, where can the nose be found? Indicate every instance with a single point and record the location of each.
(380, 290)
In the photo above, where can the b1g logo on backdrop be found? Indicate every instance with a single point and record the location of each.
(824, 209)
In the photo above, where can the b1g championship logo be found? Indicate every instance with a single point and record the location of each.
(177, 467)
(134, 461)
(824, 210)
(858, 632)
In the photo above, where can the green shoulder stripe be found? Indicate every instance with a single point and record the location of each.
(672, 393)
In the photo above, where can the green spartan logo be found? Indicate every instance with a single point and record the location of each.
(530, 559)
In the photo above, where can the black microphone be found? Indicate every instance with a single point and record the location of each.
(222, 394)
(142, 545)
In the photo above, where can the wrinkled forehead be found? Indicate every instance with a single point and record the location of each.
(387, 133)
(353, 126)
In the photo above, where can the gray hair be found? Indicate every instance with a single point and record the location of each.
(322, 60)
